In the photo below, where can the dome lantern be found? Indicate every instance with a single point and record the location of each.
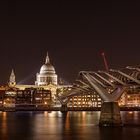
(47, 59)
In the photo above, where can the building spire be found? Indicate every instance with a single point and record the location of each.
(12, 73)
(47, 59)
(12, 79)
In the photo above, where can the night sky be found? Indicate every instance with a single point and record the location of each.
(73, 32)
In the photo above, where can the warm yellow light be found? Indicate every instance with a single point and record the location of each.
(130, 112)
(128, 96)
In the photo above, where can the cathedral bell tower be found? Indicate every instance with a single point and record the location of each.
(12, 79)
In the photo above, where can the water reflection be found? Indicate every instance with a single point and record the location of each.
(65, 126)
(4, 125)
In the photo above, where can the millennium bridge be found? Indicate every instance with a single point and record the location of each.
(108, 91)
(109, 86)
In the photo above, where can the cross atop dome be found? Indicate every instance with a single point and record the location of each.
(47, 59)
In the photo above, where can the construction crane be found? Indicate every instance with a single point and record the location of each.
(105, 61)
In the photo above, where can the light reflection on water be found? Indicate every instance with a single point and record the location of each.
(65, 126)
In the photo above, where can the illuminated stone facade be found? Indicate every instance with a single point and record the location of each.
(46, 80)
(47, 74)
(12, 79)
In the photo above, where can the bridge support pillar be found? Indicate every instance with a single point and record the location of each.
(64, 108)
(110, 114)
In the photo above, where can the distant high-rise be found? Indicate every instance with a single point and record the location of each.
(47, 74)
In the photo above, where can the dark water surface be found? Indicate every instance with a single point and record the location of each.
(65, 126)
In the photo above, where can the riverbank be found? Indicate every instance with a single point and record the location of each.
(63, 109)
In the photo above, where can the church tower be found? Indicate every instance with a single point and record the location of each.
(12, 79)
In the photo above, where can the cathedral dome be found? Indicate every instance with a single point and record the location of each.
(47, 68)
(47, 74)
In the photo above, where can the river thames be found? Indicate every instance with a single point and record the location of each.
(66, 126)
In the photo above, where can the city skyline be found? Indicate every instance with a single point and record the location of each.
(69, 70)
(73, 33)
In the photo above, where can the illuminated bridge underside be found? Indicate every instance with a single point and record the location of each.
(81, 99)
(109, 86)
